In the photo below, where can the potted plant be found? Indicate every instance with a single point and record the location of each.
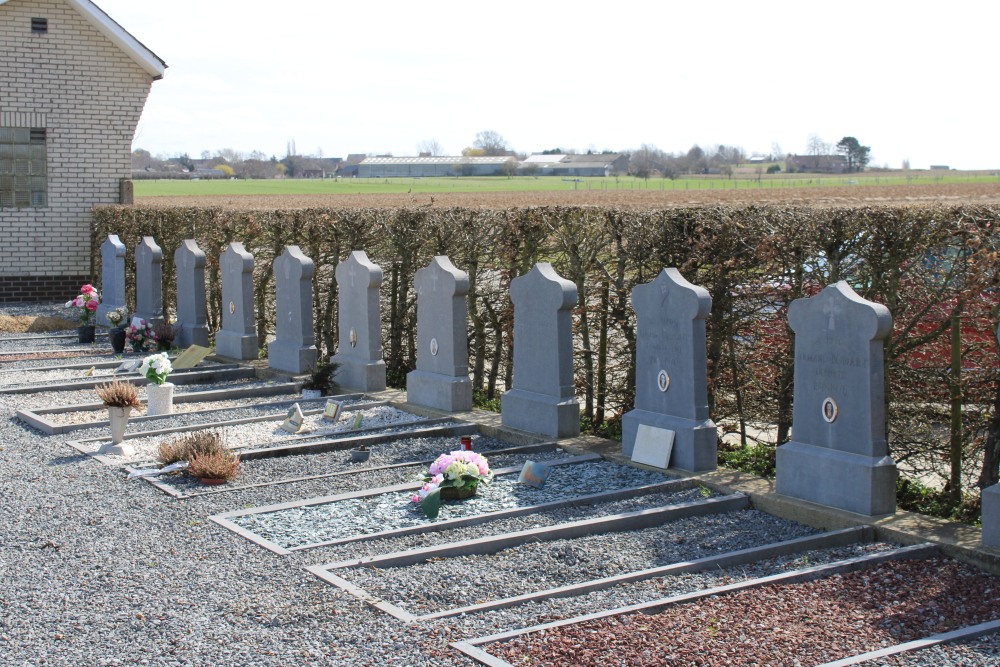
(160, 393)
(116, 334)
(320, 383)
(120, 398)
(454, 476)
(140, 335)
(360, 454)
(214, 467)
(188, 445)
(164, 334)
(86, 302)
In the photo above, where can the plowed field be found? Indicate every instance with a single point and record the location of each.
(917, 195)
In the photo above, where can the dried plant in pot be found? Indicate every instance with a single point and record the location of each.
(214, 468)
(190, 445)
(165, 334)
(120, 398)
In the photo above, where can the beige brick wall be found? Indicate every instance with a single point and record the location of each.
(88, 95)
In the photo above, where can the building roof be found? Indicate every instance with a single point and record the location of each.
(120, 37)
(438, 159)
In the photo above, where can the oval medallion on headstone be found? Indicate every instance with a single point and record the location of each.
(663, 381)
(232, 307)
(830, 410)
(354, 338)
(434, 347)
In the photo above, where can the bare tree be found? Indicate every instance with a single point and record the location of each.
(491, 143)
(429, 147)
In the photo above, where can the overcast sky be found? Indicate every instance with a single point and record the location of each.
(913, 80)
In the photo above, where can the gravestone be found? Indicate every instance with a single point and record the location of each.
(671, 385)
(542, 399)
(238, 337)
(192, 314)
(991, 507)
(149, 281)
(112, 278)
(441, 379)
(359, 343)
(293, 349)
(838, 455)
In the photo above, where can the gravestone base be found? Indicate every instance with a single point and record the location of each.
(991, 516)
(443, 392)
(359, 374)
(192, 334)
(236, 346)
(694, 441)
(540, 413)
(286, 356)
(852, 482)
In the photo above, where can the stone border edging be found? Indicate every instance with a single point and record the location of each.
(194, 376)
(969, 632)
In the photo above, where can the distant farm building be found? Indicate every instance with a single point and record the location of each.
(421, 167)
(940, 167)
(817, 164)
(604, 164)
(73, 85)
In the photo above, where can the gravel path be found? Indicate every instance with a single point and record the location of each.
(100, 571)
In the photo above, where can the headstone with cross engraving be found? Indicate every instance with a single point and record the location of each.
(192, 315)
(441, 379)
(293, 349)
(238, 337)
(359, 344)
(671, 387)
(542, 399)
(149, 281)
(839, 454)
(112, 278)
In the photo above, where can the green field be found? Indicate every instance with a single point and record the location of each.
(353, 186)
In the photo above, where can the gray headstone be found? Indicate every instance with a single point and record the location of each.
(238, 337)
(149, 281)
(112, 278)
(542, 399)
(359, 344)
(671, 385)
(442, 377)
(991, 507)
(293, 348)
(192, 314)
(838, 455)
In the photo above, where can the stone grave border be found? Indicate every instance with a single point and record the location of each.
(48, 336)
(471, 647)
(826, 540)
(218, 373)
(969, 632)
(224, 519)
(87, 445)
(65, 352)
(36, 416)
(460, 429)
(111, 363)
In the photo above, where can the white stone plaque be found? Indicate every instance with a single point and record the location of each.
(294, 420)
(653, 446)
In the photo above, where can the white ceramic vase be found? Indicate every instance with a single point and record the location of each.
(159, 399)
(118, 418)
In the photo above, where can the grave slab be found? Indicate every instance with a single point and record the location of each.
(192, 313)
(238, 337)
(838, 456)
(671, 386)
(112, 278)
(359, 344)
(542, 399)
(441, 379)
(149, 281)
(293, 349)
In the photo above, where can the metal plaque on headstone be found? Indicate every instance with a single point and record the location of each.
(293, 349)
(542, 399)
(112, 278)
(671, 385)
(359, 344)
(238, 337)
(149, 281)
(839, 454)
(192, 312)
(441, 379)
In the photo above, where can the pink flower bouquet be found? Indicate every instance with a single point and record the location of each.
(87, 302)
(460, 470)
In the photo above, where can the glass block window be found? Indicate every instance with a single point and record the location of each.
(23, 178)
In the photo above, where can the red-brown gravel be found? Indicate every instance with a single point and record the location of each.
(785, 625)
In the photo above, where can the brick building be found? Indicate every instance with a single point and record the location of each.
(72, 87)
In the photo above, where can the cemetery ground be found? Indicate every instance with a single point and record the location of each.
(307, 558)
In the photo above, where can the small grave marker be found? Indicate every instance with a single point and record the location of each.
(534, 474)
(293, 420)
(332, 410)
(653, 446)
(191, 357)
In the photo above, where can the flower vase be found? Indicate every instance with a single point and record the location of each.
(86, 333)
(118, 419)
(137, 346)
(360, 455)
(117, 337)
(458, 493)
(312, 393)
(159, 399)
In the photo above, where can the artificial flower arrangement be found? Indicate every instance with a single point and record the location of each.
(156, 368)
(457, 474)
(116, 316)
(87, 301)
(140, 336)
